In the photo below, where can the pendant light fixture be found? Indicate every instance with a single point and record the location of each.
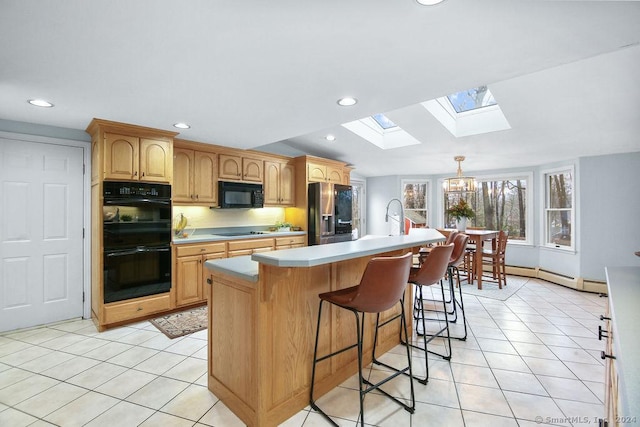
(459, 184)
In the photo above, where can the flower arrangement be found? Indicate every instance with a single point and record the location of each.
(283, 226)
(461, 210)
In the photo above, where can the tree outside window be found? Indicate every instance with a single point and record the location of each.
(559, 209)
(414, 200)
(499, 204)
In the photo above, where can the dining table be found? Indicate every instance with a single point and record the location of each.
(478, 237)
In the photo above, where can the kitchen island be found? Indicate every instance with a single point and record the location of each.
(262, 323)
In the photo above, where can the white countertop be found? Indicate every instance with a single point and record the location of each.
(246, 267)
(241, 266)
(212, 237)
(310, 256)
(623, 284)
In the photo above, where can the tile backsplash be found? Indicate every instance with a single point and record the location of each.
(204, 217)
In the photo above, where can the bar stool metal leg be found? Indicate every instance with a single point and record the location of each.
(456, 302)
(365, 386)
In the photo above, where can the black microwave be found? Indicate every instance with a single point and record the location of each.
(240, 195)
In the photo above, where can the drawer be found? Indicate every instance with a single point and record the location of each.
(291, 240)
(238, 245)
(139, 307)
(188, 250)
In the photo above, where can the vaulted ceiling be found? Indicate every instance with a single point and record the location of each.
(267, 75)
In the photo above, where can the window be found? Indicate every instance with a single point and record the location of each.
(499, 203)
(559, 212)
(357, 213)
(383, 121)
(471, 99)
(414, 201)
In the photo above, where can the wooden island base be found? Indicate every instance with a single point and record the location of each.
(262, 335)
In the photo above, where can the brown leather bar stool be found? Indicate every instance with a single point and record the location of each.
(422, 255)
(382, 287)
(424, 252)
(431, 272)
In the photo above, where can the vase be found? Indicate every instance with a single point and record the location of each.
(461, 224)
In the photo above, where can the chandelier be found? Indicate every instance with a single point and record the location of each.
(459, 183)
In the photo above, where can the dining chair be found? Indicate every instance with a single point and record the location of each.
(431, 272)
(496, 259)
(382, 287)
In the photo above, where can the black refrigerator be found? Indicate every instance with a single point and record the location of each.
(330, 213)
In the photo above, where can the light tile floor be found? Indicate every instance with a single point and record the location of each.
(532, 359)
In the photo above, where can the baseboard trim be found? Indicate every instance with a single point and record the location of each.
(577, 283)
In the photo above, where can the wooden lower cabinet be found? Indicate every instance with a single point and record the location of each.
(249, 246)
(189, 277)
(291, 242)
(261, 338)
(611, 375)
(189, 271)
(136, 308)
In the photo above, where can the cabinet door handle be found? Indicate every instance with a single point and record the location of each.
(601, 333)
(604, 355)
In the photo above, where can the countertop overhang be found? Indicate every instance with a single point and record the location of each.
(247, 267)
(311, 256)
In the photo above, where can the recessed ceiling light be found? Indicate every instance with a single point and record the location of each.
(330, 137)
(181, 125)
(347, 101)
(429, 2)
(40, 103)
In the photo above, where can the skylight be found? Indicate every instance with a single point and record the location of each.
(381, 131)
(383, 121)
(471, 99)
(468, 112)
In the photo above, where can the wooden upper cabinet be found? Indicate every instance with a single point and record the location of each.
(238, 168)
(183, 167)
(279, 183)
(230, 167)
(251, 169)
(287, 184)
(318, 172)
(132, 158)
(121, 159)
(155, 160)
(195, 176)
(205, 177)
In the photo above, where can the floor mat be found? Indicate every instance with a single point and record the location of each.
(183, 323)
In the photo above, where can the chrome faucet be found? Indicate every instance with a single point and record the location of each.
(401, 220)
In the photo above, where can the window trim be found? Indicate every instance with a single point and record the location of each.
(427, 183)
(544, 242)
(528, 175)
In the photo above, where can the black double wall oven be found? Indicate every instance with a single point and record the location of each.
(136, 240)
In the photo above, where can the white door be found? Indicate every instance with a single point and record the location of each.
(41, 227)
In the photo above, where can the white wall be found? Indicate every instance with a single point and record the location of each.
(609, 212)
(380, 191)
